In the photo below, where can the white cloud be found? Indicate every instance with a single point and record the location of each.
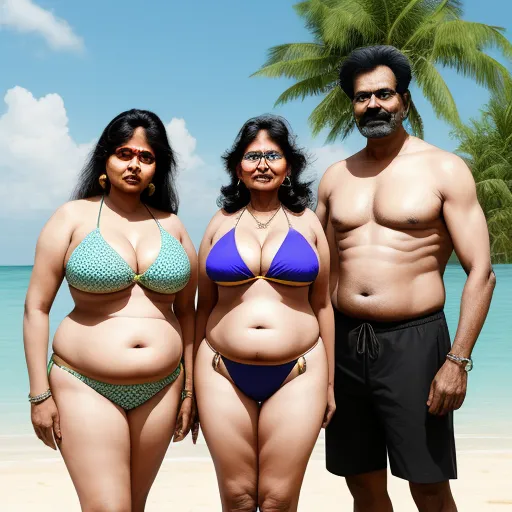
(40, 159)
(25, 16)
(198, 182)
(183, 144)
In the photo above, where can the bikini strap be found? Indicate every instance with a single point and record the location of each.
(286, 215)
(99, 212)
(155, 219)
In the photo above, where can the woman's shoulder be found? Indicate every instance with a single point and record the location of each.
(222, 215)
(306, 220)
(219, 218)
(306, 215)
(76, 209)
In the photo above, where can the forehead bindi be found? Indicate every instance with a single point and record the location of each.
(262, 142)
(379, 78)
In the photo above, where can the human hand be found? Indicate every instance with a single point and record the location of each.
(46, 422)
(448, 389)
(185, 418)
(331, 407)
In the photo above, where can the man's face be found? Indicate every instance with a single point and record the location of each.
(378, 108)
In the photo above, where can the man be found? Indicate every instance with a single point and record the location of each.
(393, 213)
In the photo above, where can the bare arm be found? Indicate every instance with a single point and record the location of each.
(45, 281)
(320, 300)
(322, 207)
(468, 230)
(184, 309)
(324, 215)
(207, 289)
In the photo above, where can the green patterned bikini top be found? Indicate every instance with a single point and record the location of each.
(95, 267)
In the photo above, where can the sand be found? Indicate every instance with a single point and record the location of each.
(34, 478)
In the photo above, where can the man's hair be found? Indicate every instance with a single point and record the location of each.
(368, 58)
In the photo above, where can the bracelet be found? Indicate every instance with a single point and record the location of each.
(467, 362)
(186, 393)
(40, 398)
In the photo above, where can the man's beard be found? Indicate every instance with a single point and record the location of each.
(375, 124)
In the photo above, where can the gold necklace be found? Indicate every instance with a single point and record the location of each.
(263, 225)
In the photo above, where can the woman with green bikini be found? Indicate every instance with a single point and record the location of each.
(115, 390)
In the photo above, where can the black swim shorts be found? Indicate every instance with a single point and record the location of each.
(382, 381)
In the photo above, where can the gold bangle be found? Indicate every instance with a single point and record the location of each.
(187, 393)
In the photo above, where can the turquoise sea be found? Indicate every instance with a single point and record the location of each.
(486, 415)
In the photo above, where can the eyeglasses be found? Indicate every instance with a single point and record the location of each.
(382, 95)
(126, 154)
(254, 157)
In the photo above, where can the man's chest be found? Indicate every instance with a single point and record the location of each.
(396, 199)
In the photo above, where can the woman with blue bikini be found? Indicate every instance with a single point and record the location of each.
(115, 383)
(265, 328)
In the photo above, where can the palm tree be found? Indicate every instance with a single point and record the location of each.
(486, 146)
(430, 32)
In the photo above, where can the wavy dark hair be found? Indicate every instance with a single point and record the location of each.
(367, 59)
(119, 131)
(295, 197)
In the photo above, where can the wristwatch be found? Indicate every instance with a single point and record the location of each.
(467, 362)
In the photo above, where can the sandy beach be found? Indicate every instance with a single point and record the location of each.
(32, 477)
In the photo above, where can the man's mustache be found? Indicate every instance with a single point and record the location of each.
(375, 115)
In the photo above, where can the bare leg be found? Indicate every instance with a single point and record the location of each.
(289, 424)
(369, 491)
(95, 444)
(229, 423)
(151, 429)
(433, 497)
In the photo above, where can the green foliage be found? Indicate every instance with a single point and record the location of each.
(486, 146)
(430, 32)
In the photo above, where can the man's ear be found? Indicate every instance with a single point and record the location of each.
(406, 98)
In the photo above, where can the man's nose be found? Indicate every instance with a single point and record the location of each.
(373, 102)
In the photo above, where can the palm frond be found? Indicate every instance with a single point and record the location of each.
(335, 106)
(435, 90)
(415, 121)
(300, 69)
(493, 194)
(313, 86)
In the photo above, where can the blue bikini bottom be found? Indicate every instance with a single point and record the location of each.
(258, 381)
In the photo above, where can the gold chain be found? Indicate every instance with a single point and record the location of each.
(263, 225)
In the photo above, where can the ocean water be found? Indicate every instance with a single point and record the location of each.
(485, 415)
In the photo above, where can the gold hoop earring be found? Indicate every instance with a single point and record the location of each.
(289, 184)
(103, 181)
(238, 183)
(151, 189)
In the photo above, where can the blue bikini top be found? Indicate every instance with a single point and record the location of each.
(295, 263)
(95, 267)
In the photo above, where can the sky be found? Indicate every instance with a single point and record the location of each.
(67, 68)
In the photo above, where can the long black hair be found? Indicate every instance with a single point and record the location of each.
(297, 196)
(118, 132)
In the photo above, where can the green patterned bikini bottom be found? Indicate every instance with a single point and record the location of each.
(127, 396)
